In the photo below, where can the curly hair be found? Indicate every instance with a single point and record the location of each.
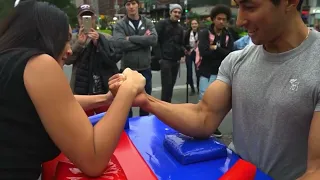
(221, 9)
(277, 2)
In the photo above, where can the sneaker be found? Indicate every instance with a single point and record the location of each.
(217, 134)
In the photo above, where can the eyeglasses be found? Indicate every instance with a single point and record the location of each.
(85, 6)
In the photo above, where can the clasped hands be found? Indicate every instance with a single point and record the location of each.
(132, 81)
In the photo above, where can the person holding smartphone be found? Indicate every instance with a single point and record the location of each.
(94, 58)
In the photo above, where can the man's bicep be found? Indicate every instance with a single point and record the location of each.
(216, 103)
(217, 97)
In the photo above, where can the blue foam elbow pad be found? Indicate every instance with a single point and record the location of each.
(187, 150)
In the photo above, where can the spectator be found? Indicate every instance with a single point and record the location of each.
(169, 50)
(136, 35)
(94, 60)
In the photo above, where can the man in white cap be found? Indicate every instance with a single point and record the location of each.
(169, 50)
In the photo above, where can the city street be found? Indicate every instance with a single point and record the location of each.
(179, 96)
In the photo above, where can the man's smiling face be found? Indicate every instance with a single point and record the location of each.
(264, 20)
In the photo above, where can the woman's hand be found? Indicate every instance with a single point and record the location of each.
(115, 82)
(130, 78)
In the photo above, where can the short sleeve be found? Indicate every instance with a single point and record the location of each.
(225, 70)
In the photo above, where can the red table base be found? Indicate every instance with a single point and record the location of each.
(241, 170)
(127, 160)
(67, 171)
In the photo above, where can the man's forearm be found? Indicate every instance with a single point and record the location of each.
(144, 40)
(311, 176)
(313, 171)
(94, 101)
(185, 118)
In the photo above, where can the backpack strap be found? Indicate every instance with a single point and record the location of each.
(227, 39)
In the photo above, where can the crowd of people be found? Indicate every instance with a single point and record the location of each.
(271, 85)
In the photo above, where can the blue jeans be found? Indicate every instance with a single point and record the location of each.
(204, 84)
(148, 88)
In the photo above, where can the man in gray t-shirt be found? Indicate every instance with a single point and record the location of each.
(274, 97)
(273, 88)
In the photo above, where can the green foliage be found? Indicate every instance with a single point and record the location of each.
(106, 31)
(5, 8)
(69, 8)
(192, 15)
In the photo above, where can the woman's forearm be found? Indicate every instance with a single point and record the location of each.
(94, 101)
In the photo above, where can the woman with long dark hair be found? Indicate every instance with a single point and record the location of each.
(191, 42)
(39, 115)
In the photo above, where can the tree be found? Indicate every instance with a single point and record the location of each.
(68, 7)
(5, 7)
(192, 15)
(59, 3)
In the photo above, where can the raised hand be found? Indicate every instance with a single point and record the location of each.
(82, 37)
(94, 35)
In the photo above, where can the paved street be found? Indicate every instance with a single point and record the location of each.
(178, 97)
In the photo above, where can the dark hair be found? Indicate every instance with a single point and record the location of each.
(277, 2)
(194, 19)
(36, 25)
(221, 9)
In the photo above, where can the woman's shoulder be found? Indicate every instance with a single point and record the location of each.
(21, 53)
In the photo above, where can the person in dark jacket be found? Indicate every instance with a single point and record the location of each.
(169, 50)
(191, 42)
(215, 44)
(94, 60)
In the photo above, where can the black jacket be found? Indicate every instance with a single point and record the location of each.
(170, 40)
(211, 59)
(99, 60)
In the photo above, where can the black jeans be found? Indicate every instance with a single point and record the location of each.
(148, 88)
(190, 61)
(169, 73)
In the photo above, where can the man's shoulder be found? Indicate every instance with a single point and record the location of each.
(120, 22)
(163, 21)
(106, 35)
(146, 19)
(317, 38)
(242, 55)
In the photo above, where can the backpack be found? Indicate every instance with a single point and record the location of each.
(211, 39)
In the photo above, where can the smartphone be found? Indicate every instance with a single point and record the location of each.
(87, 24)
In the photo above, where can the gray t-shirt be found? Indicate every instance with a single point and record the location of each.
(274, 97)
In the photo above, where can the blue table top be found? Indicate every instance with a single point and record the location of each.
(147, 134)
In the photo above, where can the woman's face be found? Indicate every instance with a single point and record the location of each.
(66, 51)
(194, 25)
